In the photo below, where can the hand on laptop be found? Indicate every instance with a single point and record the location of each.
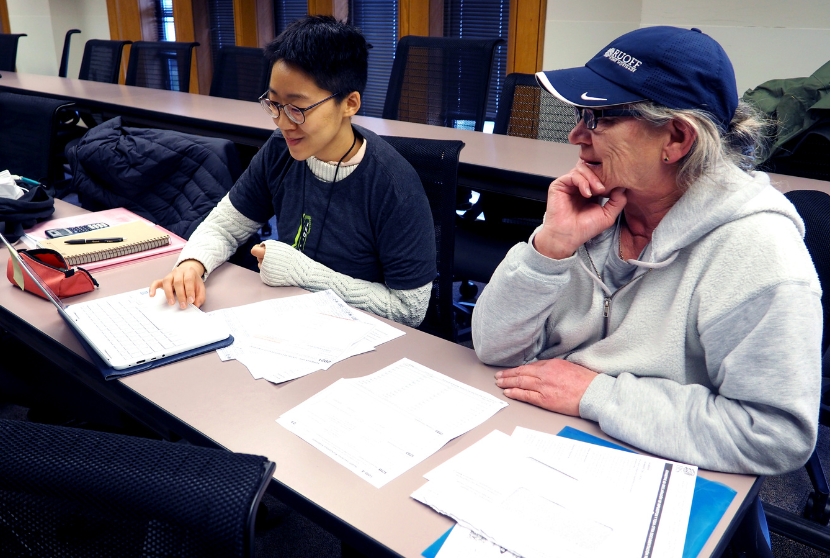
(184, 284)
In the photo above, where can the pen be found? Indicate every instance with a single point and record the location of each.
(25, 180)
(92, 240)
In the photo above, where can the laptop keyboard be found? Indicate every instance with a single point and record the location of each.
(126, 328)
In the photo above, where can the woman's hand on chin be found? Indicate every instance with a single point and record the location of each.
(573, 213)
(556, 385)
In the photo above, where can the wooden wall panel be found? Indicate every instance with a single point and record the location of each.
(245, 23)
(526, 36)
(126, 19)
(413, 18)
(5, 26)
(203, 57)
(253, 22)
(321, 7)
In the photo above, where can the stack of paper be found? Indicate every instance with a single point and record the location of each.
(539, 495)
(286, 338)
(380, 425)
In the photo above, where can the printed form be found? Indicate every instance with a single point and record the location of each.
(381, 425)
(286, 338)
(540, 495)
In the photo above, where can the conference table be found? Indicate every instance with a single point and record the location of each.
(488, 162)
(209, 402)
(521, 167)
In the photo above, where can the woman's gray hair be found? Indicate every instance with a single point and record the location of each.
(742, 144)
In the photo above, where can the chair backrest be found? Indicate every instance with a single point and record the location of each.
(437, 163)
(527, 111)
(72, 492)
(160, 65)
(62, 69)
(441, 81)
(8, 50)
(240, 73)
(102, 60)
(813, 207)
(28, 135)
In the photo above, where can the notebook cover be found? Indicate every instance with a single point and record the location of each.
(112, 217)
(137, 237)
(111, 373)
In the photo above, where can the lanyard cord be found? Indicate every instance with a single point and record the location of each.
(331, 191)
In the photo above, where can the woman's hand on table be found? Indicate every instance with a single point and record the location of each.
(184, 284)
(573, 214)
(555, 384)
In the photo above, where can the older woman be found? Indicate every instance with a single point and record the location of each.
(668, 294)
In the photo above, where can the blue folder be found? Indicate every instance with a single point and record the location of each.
(710, 501)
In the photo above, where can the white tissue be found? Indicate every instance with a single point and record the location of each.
(8, 187)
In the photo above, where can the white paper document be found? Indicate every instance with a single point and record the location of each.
(283, 339)
(540, 495)
(464, 543)
(380, 425)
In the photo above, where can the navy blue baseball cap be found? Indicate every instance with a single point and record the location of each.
(675, 67)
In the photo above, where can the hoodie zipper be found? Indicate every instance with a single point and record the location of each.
(607, 299)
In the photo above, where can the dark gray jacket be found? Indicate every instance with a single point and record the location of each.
(171, 178)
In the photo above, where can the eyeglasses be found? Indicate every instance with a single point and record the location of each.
(590, 116)
(295, 114)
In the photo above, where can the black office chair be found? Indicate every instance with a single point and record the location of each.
(160, 65)
(62, 69)
(437, 162)
(441, 81)
(73, 492)
(240, 73)
(8, 50)
(102, 60)
(811, 528)
(525, 110)
(29, 129)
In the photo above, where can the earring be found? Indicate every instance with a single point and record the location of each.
(666, 159)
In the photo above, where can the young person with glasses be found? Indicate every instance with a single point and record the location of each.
(352, 215)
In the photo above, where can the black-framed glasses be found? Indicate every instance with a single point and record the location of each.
(295, 114)
(590, 116)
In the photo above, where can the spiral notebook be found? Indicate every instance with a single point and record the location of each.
(136, 236)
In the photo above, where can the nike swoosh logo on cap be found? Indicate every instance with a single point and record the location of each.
(585, 97)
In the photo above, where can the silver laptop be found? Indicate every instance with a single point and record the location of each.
(131, 328)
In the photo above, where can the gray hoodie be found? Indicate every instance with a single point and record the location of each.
(709, 354)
